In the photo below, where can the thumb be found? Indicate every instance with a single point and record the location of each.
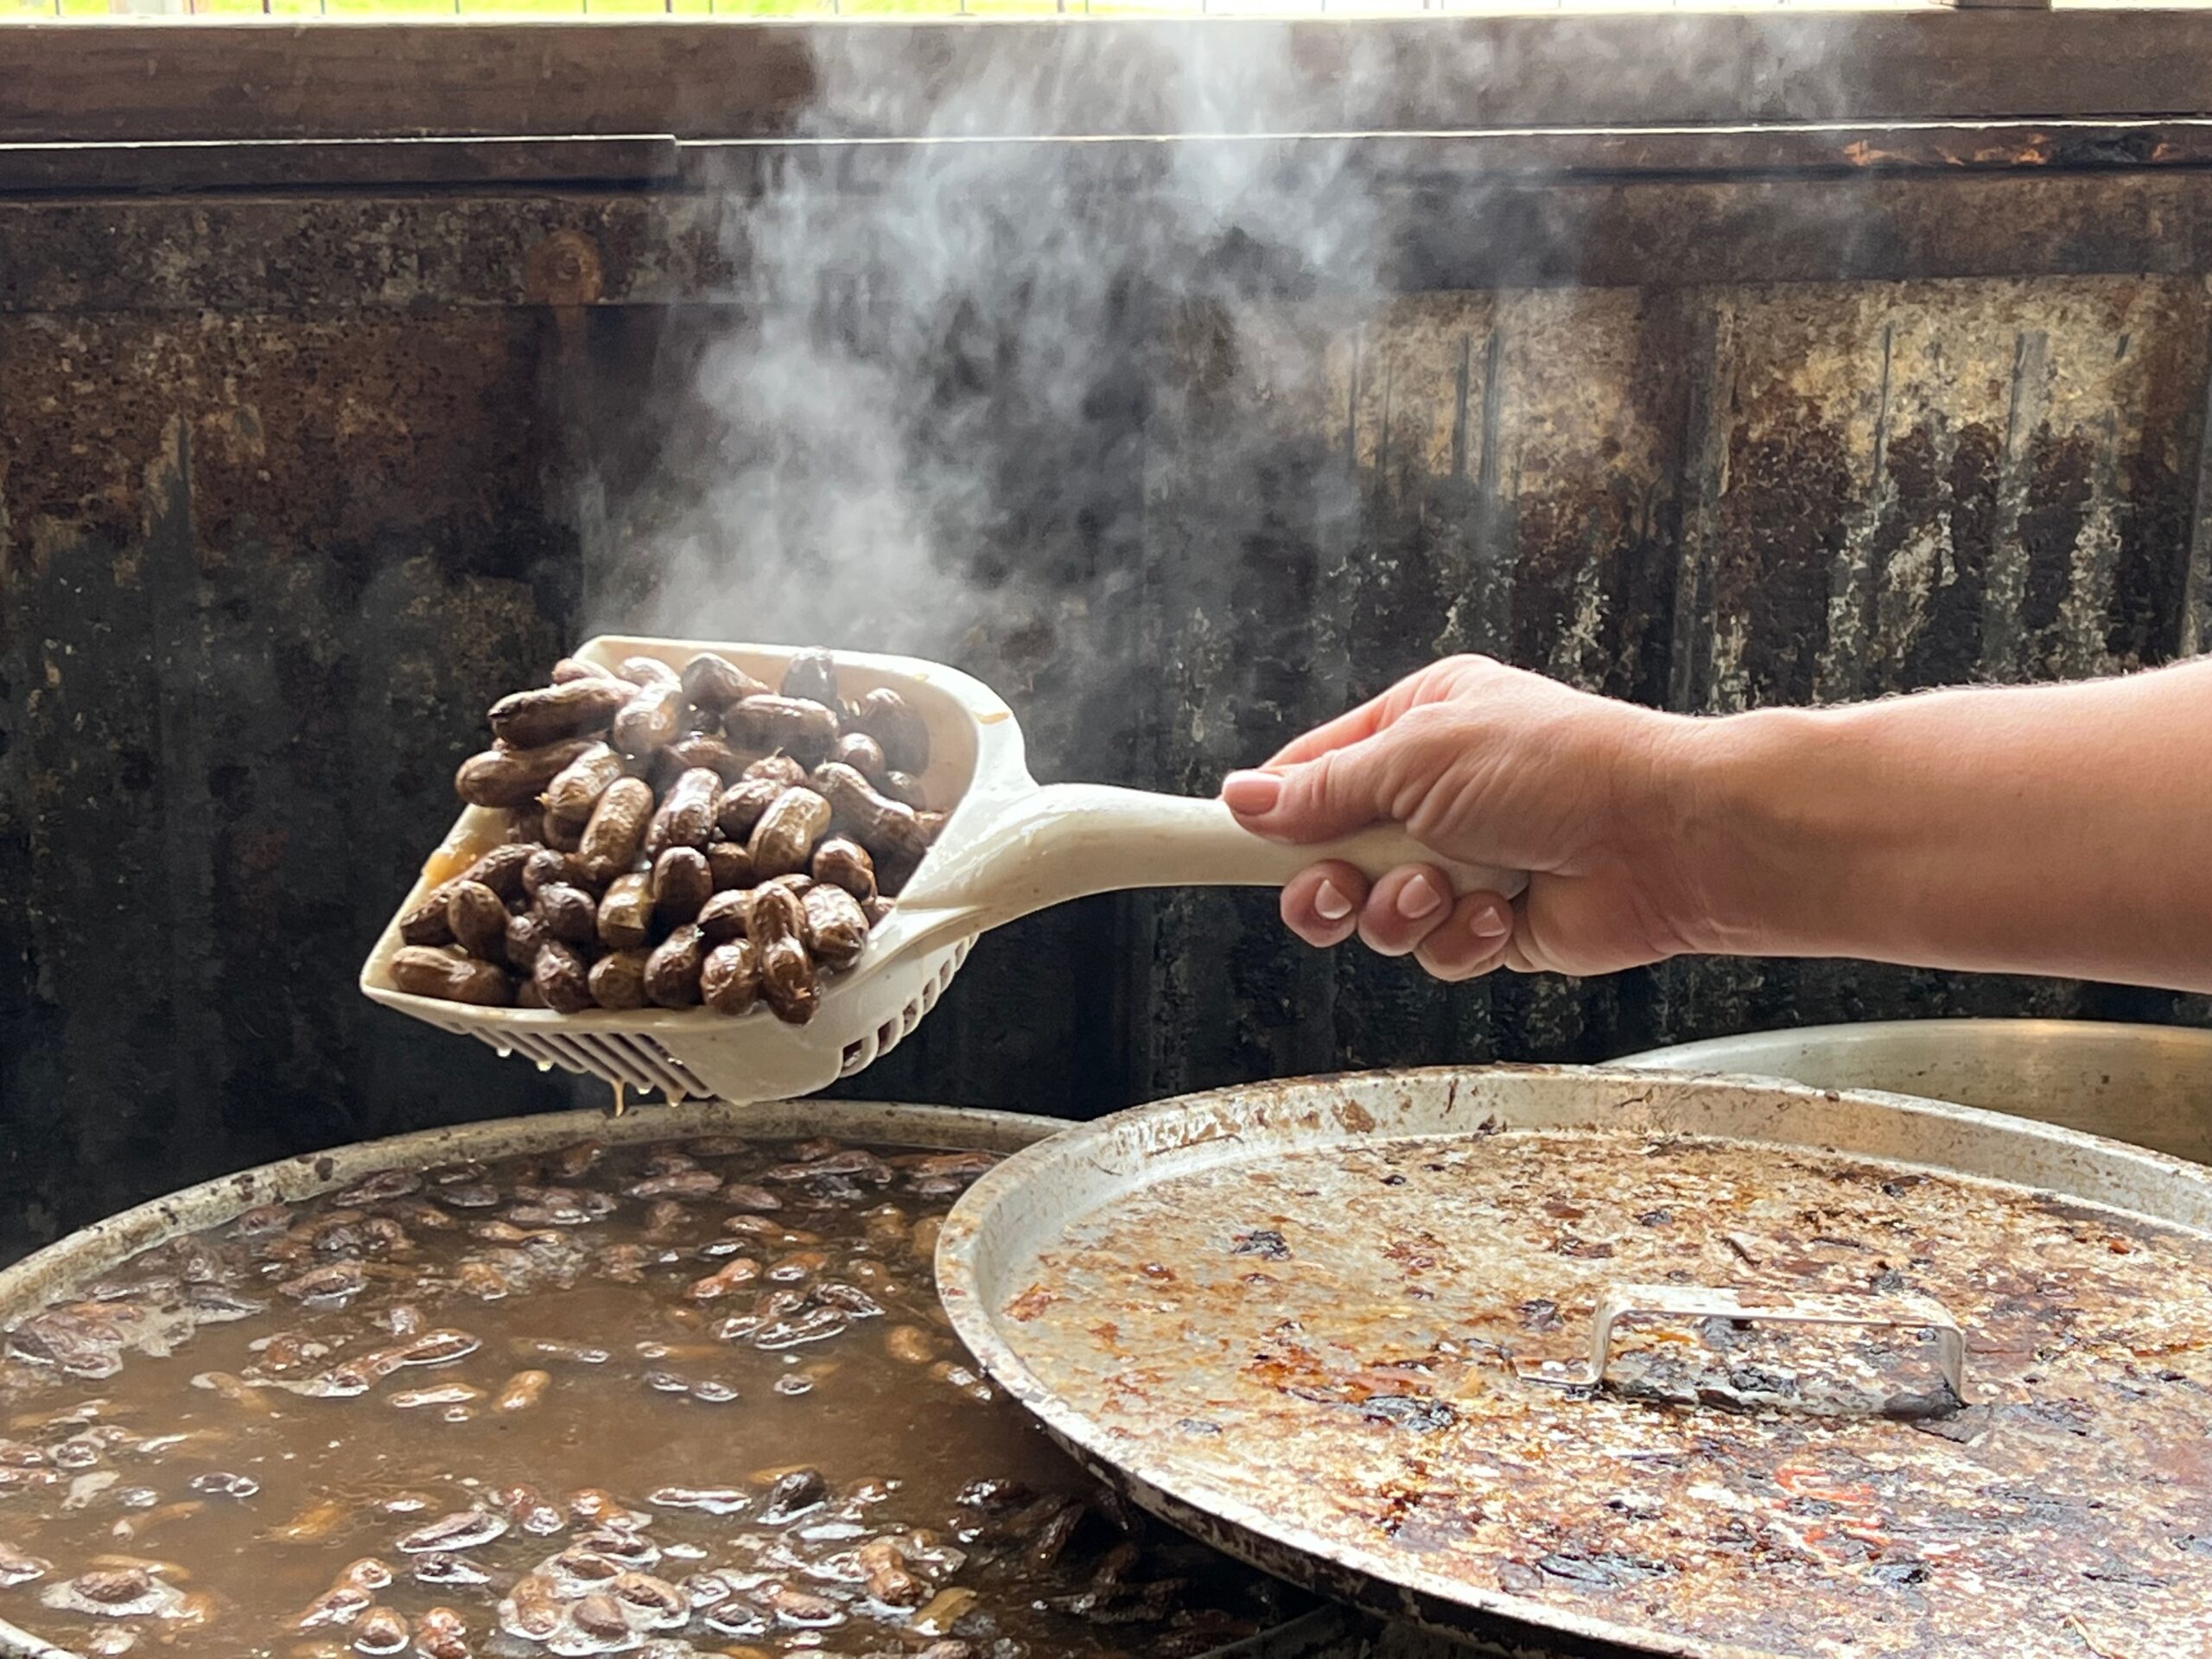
(1333, 794)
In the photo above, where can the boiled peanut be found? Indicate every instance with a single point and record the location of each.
(799, 728)
(837, 928)
(730, 865)
(742, 803)
(570, 913)
(797, 881)
(440, 1633)
(681, 884)
(576, 788)
(420, 970)
(650, 719)
(526, 825)
(522, 1391)
(686, 818)
(812, 675)
(626, 914)
(903, 788)
(526, 935)
(729, 978)
(642, 672)
(875, 910)
(892, 833)
(618, 825)
(617, 980)
(864, 754)
(898, 726)
(909, 1344)
(500, 869)
(574, 668)
(478, 920)
(788, 984)
(888, 1580)
(527, 719)
(425, 922)
(707, 749)
(562, 835)
(673, 971)
(545, 865)
(527, 996)
(844, 862)
(775, 914)
(776, 926)
(783, 840)
(562, 979)
(778, 769)
(721, 918)
(506, 777)
(381, 1630)
(715, 683)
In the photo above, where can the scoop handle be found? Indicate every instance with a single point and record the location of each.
(1047, 846)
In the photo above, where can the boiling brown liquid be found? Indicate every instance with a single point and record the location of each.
(230, 1446)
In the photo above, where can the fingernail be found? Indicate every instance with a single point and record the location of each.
(1249, 793)
(1419, 898)
(1330, 904)
(1489, 923)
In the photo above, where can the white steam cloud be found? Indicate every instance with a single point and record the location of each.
(927, 426)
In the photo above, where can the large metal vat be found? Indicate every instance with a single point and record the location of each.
(57, 1271)
(2149, 1085)
(1356, 1330)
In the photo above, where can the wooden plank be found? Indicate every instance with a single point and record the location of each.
(219, 164)
(1021, 78)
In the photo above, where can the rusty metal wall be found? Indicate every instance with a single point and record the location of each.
(285, 498)
(257, 573)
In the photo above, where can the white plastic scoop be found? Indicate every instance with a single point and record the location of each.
(1010, 847)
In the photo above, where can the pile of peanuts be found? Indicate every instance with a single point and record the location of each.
(676, 840)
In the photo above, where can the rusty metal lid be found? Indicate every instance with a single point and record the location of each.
(1607, 1361)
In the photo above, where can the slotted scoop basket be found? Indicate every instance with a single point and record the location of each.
(1010, 847)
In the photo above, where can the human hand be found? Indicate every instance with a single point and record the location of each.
(1493, 765)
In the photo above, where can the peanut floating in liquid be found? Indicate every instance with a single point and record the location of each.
(648, 800)
(494, 1434)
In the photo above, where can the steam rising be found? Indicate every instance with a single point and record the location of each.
(929, 430)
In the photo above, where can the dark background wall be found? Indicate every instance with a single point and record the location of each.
(288, 494)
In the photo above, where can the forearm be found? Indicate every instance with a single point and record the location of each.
(2058, 829)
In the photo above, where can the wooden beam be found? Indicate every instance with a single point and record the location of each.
(130, 82)
(167, 168)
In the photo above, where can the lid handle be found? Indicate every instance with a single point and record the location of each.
(1901, 1311)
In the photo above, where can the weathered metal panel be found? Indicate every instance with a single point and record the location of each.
(1922, 484)
(1449, 472)
(257, 580)
(287, 487)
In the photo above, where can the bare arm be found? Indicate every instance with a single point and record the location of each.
(2046, 829)
(2055, 830)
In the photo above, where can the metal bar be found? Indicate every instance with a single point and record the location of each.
(1899, 1311)
(1840, 149)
